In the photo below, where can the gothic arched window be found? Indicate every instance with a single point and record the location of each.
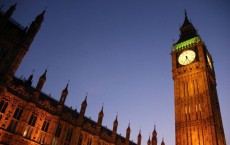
(3, 106)
(80, 139)
(14, 122)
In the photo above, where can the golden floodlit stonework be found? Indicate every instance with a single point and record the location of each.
(197, 111)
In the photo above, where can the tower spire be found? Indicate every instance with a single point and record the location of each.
(128, 130)
(64, 95)
(34, 27)
(115, 125)
(162, 143)
(100, 116)
(139, 137)
(41, 81)
(29, 80)
(10, 11)
(149, 141)
(187, 30)
(154, 136)
(83, 106)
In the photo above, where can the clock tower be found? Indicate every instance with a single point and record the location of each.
(197, 111)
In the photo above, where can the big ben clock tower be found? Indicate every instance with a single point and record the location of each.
(197, 111)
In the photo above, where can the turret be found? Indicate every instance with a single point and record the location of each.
(115, 125)
(154, 137)
(139, 138)
(29, 80)
(162, 143)
(83, 107)
(128, 130)
(41, 81)
(100, 117)
(33, 28)
(10, 11)
(63, 95)
(149, 141)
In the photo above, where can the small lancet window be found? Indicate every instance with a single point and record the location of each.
(3, 106)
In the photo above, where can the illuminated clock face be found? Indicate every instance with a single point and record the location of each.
(209, 62)
(186, 57)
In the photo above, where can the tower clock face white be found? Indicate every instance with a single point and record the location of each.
(186, 57)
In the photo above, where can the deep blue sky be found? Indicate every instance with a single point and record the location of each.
(119, 52)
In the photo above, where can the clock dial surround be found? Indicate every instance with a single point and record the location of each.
(186, 57)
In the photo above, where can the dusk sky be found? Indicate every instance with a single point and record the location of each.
(119, 52)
